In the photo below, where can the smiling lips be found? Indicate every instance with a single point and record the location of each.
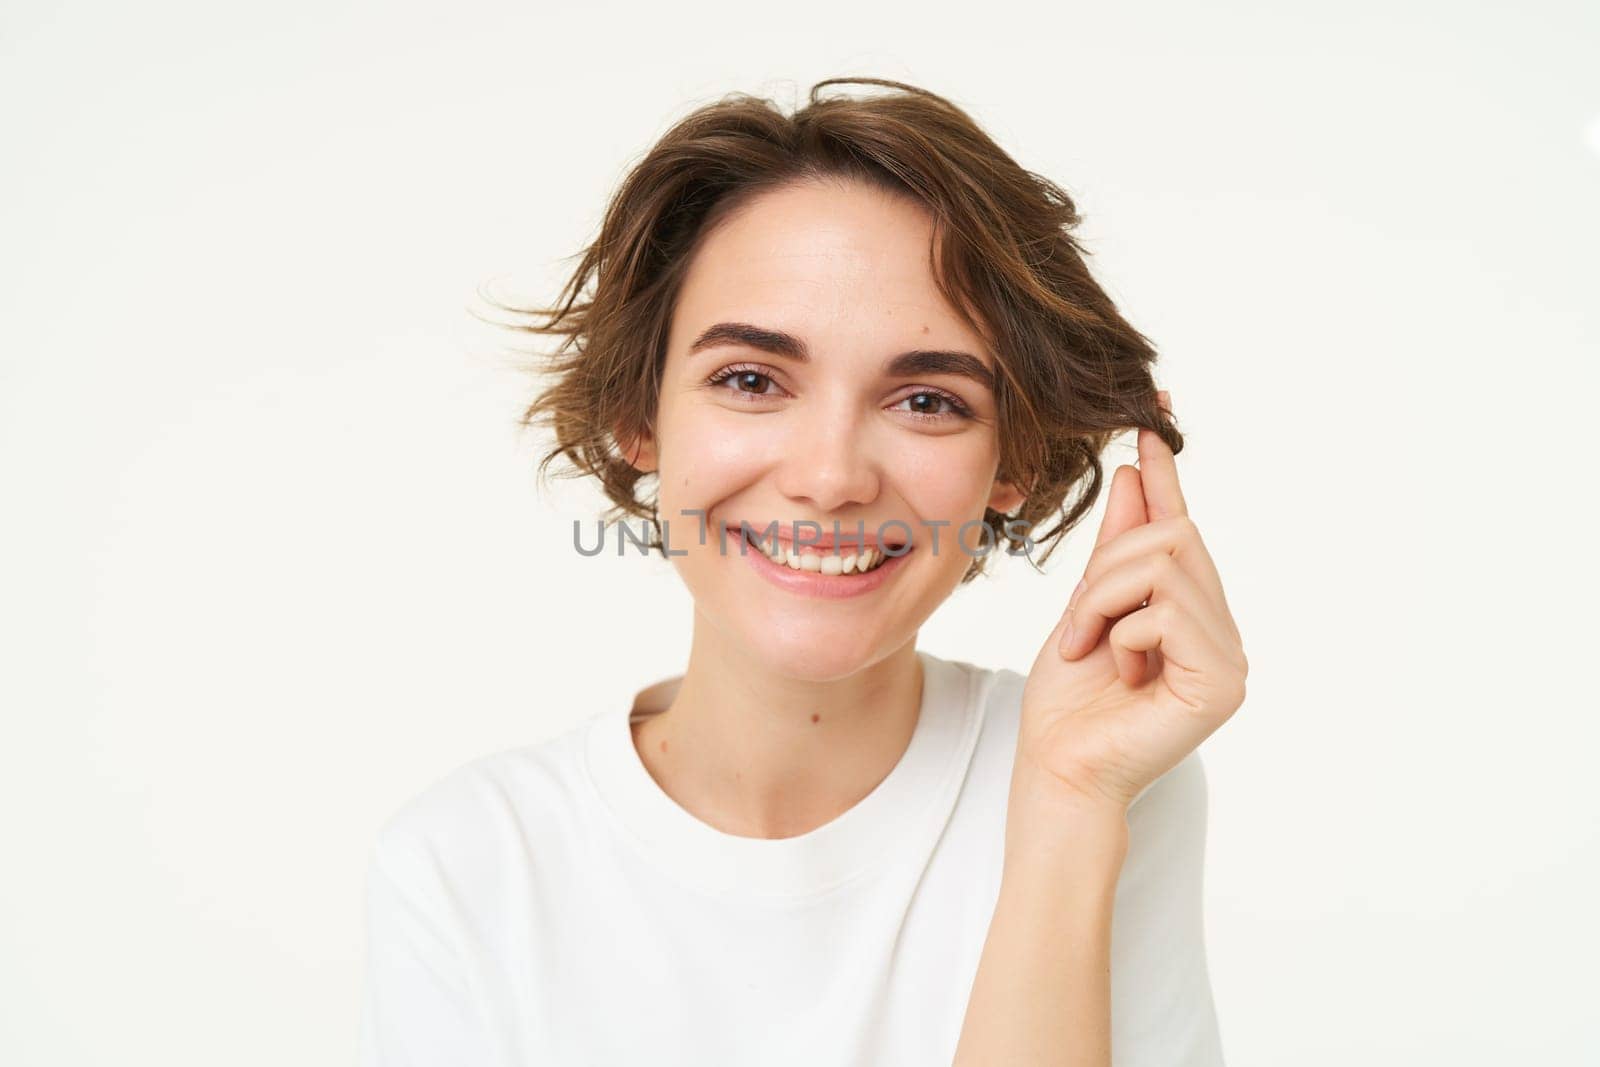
(823, 576)
(829, 569)
(848, 555)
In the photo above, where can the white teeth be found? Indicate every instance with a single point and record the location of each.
(828, 562)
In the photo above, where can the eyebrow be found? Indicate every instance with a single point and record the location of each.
(911, 364)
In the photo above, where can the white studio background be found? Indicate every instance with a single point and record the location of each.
(273, 558)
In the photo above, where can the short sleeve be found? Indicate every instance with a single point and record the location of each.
(417, 1006)
(1162, 1010)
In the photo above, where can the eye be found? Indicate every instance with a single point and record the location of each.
(753, 381)
(749, 380)
(932, 398)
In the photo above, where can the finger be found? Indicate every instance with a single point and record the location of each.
(1126, 507)
(1125, 589)
(1179, 538)
(1125, 510)
(1203, 678)
(1202, 567)
(1134, 668)
(1158, 475)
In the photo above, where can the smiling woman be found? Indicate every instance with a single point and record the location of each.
(991, 250)
(860, 344)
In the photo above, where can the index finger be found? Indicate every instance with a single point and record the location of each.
(1125, 505)
(1158, 473)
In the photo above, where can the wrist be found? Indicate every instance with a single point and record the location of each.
(1055, 833)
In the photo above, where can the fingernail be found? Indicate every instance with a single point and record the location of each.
(1066, 638)
(1073, 599)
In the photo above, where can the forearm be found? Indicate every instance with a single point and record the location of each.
(1042, 994)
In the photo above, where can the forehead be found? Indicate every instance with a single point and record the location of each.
(845, 265)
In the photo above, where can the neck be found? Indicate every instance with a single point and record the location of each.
(755, 751)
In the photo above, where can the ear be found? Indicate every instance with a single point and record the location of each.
(1006, 497)
(639, 451)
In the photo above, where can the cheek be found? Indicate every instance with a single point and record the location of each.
(705, 458)
(947, 478)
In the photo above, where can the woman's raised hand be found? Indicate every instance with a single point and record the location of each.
(1146, 661)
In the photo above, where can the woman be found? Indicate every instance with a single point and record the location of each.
(819, 844)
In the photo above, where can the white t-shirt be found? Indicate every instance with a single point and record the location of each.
(551, 904)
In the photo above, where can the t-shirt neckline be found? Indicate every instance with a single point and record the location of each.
(821, 859)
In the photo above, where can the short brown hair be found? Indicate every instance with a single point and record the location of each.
(1072, 374)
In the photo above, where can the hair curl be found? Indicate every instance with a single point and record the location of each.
(1072, 372)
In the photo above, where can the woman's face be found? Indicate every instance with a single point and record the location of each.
(833, 422)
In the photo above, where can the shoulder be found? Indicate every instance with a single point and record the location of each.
(462, 826)
(997, 693)
(994, 692)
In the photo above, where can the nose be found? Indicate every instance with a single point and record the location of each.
(828, 464)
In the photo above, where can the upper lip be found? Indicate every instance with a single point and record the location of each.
(825, 539)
